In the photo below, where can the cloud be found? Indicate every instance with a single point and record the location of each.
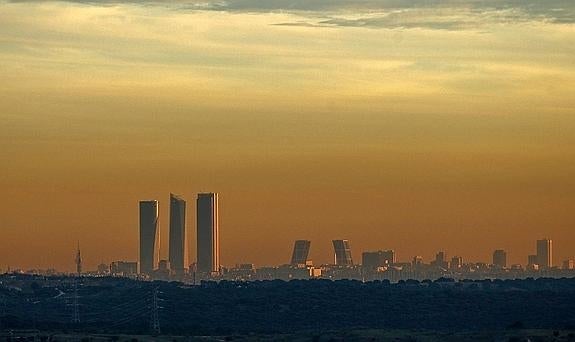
(399, 19)
(453, 15)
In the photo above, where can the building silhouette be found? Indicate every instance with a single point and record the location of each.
(545, 253)
(178, 255)
(373, 260)
(440, 260)
(300, 252)
(208, 233)
(417, 261)
(456, 263)
(532, 260)
(124, 268)
(342, 253)
(500, 258)
(149, 236)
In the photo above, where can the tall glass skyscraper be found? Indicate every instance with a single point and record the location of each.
(545, 253)
(178, 242)
(342, 253)
(149, 236)
(500, 258)
(300, 252)
(208, 230)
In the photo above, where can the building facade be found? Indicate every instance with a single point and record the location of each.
(149, 236)
(373, 260)
(178, 255)
(545, 253)
(500, 258)
(342, 253)
(300, 252)
(208, 233)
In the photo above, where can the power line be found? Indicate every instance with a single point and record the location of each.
(76, 315)
(154, 317)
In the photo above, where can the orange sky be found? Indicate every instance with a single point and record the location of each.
(415, 138)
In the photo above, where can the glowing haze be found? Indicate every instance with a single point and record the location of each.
(412, 125)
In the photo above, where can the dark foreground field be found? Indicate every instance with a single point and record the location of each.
(326, 336)
(349, 310)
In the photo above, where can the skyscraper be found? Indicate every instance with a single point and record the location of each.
(440, 260)
(178, 243)
(149, 236)
(300, 252)
(208, 233)
(500, 258)
(342, 253)
(545, 253)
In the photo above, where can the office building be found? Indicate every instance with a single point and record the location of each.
(373, 260)
(208, 233)
(103, 269)
(569, 264)
(342, 253)
(164, 266)
(545, 253)
(178, 255)
(532, 260)
(149, 236)
(124, 268)
(500, 258)
(456, 262)
(440, 260)
(417, 261)
(300, 252)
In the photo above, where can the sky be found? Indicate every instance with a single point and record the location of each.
(413, 125)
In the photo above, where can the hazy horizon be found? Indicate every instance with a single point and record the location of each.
(410, 125)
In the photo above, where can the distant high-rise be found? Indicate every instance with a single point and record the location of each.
(342, 253)
(178, 243)
(149, 236)
(440, 260)
(545, 253)
(456, 263)
(569, 264)
(417, 261)
(500, 258)
(300, 252)
(440, 257)
(373, 260)
(208, 233)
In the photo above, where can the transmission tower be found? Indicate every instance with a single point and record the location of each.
(76, 316)
(154, 317)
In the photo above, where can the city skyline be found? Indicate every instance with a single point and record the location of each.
(541, 252)
(380, 264)
(207, 231)
(537, 252)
